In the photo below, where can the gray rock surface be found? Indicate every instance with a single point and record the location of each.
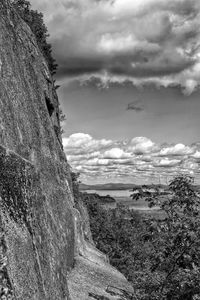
(42, 232)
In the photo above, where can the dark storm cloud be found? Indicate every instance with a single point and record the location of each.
(145, 41)
(78, 66)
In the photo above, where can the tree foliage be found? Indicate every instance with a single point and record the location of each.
(115, 232)
(160, 256)
(35, 21)
(174, 261)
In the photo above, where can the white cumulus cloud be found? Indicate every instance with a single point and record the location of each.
(141, 145)
(166, 162)
(81, 143)
(116, 153)
(178, 149)
(139, 158)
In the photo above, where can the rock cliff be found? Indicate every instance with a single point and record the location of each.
(43, 250)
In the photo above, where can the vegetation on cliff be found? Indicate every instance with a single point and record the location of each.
(160, 256)
(35, 21)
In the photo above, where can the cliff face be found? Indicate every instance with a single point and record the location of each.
(38, 224)
(43, 251)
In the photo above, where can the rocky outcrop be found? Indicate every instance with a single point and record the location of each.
(43, 250)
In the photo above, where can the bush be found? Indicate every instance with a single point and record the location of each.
(115, 232)
(173, 267)
(160, 256)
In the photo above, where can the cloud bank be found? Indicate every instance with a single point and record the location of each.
(143, 42)
(140, 158)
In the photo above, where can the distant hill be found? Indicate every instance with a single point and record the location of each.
(107, 186)
(121, 186)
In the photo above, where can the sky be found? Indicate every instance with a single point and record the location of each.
(129, 73)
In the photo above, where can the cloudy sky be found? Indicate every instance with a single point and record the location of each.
(129, 74)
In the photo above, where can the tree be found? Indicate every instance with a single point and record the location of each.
(115, 232)
(35, 21)
(172, 269)
(160, 255)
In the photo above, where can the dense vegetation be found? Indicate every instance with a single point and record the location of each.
(35, 21)
(160, 256)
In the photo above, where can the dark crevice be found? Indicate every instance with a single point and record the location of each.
(49, 105)
(57, 115)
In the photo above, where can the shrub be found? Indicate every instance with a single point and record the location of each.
(160, 256)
